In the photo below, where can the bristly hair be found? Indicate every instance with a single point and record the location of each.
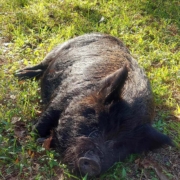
(77, 149)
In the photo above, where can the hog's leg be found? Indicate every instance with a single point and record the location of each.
(47, 121)
(30, 72)
(50, 117)
(37, 70)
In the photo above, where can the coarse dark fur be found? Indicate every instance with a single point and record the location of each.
(99, 103)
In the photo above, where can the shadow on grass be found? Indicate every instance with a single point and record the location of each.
(166, 9)
(91, 15)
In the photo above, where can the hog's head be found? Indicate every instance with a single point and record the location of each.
(90, 152)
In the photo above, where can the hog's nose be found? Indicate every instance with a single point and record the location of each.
(89, 166)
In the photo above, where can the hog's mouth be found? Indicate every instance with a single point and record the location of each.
(89, 164)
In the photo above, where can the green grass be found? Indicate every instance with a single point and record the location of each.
(149, 28)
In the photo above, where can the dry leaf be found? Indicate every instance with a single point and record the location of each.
(21, 82)
(14, 120)
(17, 161)
(47, 143)
(29, 152)
(153, 165)
(32, 155)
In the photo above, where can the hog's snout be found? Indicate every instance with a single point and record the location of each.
(89, 166)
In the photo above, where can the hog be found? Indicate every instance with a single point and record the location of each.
(99, 103)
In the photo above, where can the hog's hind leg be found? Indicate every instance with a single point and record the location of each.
(30, 72)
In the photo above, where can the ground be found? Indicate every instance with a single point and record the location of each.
(30, 29)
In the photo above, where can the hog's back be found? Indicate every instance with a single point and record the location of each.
(78, 66)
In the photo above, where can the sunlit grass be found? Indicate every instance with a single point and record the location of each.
(151, 31)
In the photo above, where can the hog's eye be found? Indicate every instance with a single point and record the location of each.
(90, 153)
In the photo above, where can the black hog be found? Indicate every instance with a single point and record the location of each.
(99, 103)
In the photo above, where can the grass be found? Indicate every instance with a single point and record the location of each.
(31, 28)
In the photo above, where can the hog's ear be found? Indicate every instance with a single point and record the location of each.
(114, 84)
